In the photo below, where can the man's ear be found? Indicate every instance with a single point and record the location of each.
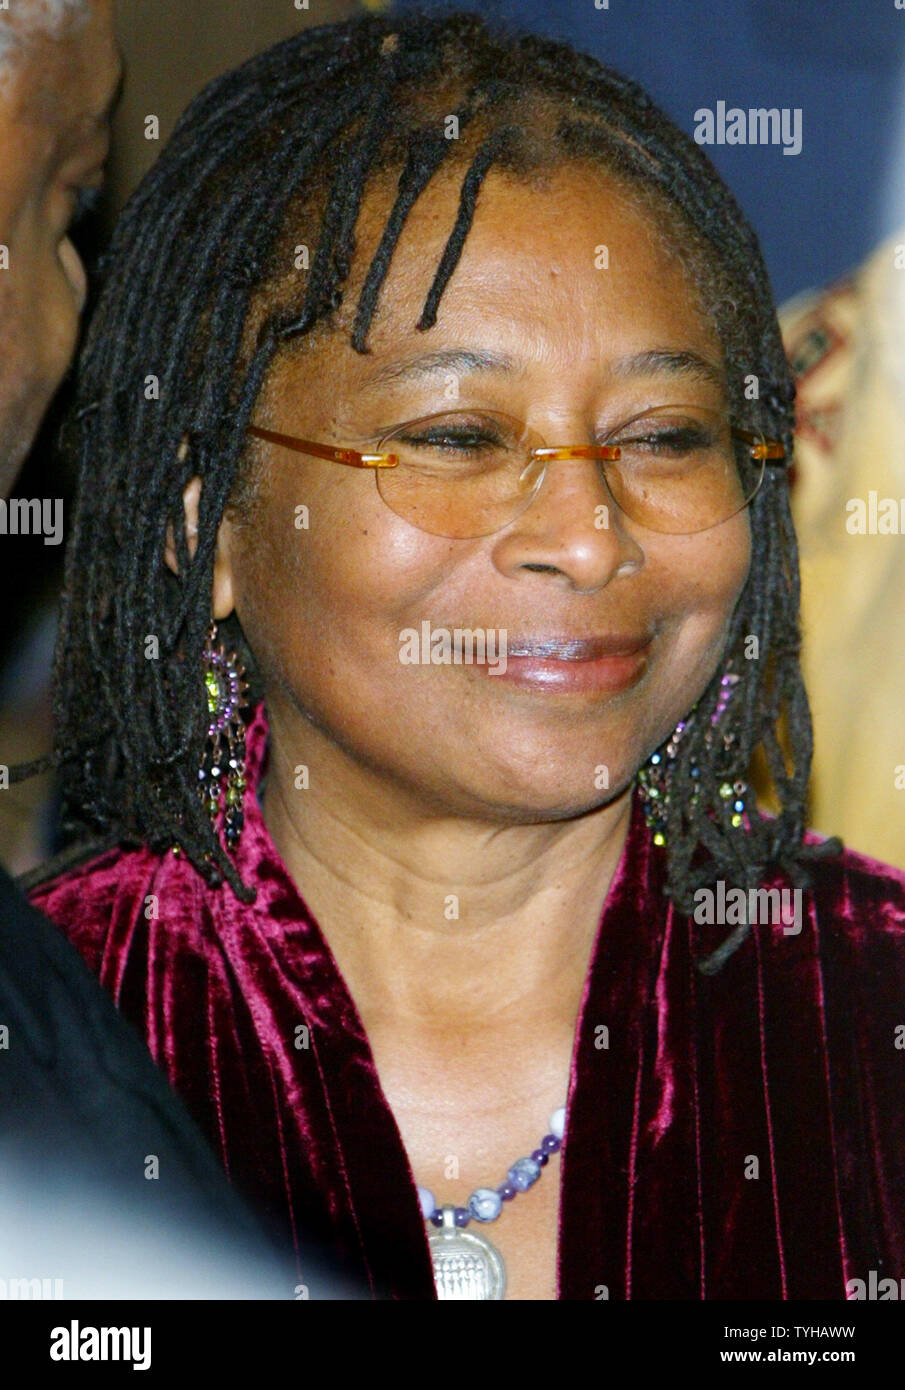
(222, 597)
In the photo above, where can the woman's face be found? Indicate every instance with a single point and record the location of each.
(323, 608)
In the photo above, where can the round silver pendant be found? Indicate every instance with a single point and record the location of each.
(466, 1266)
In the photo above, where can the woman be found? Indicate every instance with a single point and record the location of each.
(475, 866)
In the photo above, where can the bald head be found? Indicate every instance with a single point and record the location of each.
(21, 20)
(59, 72)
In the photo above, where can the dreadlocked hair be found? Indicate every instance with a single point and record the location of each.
(197, 297)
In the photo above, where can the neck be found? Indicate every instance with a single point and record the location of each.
(438, 915)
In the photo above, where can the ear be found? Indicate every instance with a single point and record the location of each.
(222, 596)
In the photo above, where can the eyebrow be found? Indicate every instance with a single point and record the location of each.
(670, 363)
(445, 360)
(655, 361)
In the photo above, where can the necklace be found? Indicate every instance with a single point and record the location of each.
(467, 1265)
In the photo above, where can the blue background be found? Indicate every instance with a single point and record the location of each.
(817, 213)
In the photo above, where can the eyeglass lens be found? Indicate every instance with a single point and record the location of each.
(469, 473)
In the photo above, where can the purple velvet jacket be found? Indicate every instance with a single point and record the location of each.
(785, 1064)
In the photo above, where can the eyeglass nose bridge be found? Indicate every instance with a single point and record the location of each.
(544, 454)
(601, 452)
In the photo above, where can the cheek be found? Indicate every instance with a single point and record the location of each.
(40, 321)
(38, 325)
(326, 577)
(703, 577)
(724, 560)
(62, 302)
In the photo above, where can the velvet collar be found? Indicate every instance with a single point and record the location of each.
(741, 1135)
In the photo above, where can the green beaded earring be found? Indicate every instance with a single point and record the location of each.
(221, 777)
(653, 781)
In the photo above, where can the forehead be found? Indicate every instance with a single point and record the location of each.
(564, 268)
(53, 74)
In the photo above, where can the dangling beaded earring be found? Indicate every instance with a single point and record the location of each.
(653, 781)
(221, 777)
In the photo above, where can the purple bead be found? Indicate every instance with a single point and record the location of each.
(484, 1204)
(460, 1216)
(523, 1173)
(550, 1144)
(506, 1191)
(437, 1218)
(540, 1157)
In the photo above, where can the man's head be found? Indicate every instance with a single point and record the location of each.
(59, 72)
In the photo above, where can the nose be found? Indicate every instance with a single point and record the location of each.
(75, 272)
(572, 531)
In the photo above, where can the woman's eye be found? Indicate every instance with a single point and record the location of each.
(677, 441)
(459, 440)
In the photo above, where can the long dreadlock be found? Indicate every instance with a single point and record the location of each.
(196, 295)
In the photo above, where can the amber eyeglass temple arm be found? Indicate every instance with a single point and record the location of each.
(760, 448)
(325, 451)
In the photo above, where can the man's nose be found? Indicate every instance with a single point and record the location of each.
(74, 269)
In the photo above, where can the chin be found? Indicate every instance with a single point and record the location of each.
(534, 800)
(543, 812)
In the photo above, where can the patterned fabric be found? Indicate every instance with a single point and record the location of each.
(847, 348)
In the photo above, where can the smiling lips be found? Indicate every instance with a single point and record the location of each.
(596, 665)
